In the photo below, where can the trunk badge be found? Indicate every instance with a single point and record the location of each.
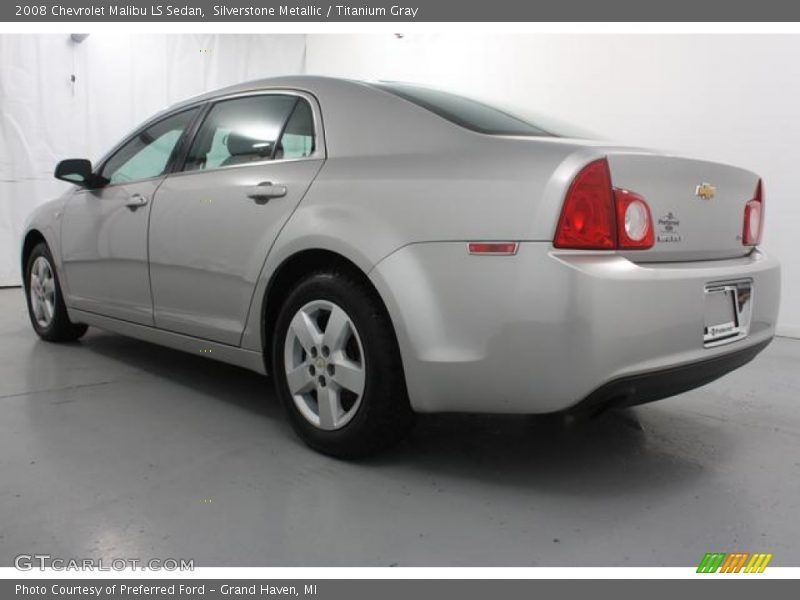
(706, 191)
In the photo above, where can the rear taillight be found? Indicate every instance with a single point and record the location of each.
(754, 218)
(634, 222)
(587, 219)
(597, 216)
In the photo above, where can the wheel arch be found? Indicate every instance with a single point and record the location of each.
(32, 238)
(292, 270)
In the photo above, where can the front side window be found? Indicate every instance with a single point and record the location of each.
(253, 129)
(149, 152)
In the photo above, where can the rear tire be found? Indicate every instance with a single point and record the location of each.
(335, 342)
(46, 307)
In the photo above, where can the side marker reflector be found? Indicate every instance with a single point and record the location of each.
(494, 248)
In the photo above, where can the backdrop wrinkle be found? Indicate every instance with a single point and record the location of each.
(120, 81)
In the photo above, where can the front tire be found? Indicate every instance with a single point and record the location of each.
(337, 367)
(46, 306)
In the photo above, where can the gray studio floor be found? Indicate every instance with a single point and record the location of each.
(116, 448)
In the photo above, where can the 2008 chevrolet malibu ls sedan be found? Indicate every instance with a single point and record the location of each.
(383, 249)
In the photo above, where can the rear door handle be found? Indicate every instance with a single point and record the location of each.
(266, 190)
(136, 201)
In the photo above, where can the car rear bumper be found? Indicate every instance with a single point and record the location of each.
(548, 330)
(648, 387)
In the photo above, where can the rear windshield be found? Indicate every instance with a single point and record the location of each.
(466, 112)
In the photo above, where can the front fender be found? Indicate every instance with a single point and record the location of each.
(46, 219)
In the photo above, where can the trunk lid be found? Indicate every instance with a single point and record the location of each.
(697, 206)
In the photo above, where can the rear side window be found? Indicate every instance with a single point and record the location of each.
(252, 129)
(298, 136)
(463, 111)
(148, 153)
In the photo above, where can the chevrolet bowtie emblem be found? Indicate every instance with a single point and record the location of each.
(705, 191)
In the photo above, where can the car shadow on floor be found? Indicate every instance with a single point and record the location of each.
(244, 388)
(612, 454)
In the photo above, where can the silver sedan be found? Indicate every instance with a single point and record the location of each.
(385, 249)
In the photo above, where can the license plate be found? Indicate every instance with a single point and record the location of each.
(727, 312)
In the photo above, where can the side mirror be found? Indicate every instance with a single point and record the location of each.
(77, 171)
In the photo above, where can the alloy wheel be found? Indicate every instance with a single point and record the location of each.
(42, 292)
(324, 364)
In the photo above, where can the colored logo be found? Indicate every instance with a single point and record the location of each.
(706, 191)
(735, 562)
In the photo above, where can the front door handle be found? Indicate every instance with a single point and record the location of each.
(136, 201)
(266, 190)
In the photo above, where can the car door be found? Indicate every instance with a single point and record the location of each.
(213, 223)
(104, 230)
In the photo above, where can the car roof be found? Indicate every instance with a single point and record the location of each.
(360, 118)
(313, 84)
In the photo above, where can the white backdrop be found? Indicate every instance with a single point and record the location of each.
(734, 99)
(730, 98)
(120, 81)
